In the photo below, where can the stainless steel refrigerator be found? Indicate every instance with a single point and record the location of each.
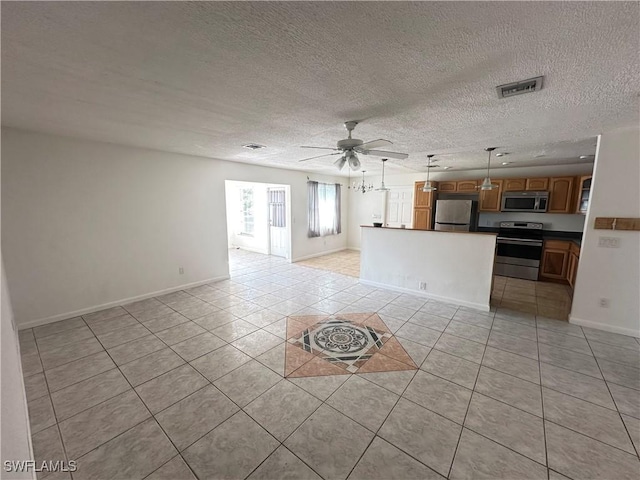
(456, 215)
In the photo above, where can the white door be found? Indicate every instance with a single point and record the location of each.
(400, 207)
(277, 223)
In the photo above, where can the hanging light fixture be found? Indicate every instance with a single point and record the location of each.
(362, 186)
(427, 185)
(486, 183)
(382, 187)
(340, 162)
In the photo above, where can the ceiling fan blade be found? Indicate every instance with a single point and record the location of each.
(382, 153)
(321, 148)
(319, 156)
(381, 142)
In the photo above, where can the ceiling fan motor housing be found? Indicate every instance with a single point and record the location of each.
(349, 143)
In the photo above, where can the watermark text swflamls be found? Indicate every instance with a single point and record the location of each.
(44, 466)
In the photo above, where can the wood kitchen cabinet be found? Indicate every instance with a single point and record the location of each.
(537, 184)
(555, 259)
(561, 195)
(584, 193)
(467, 186)
(423, 203)
(423, 199)
(515, 184)
(572, 268)
(422, 219)
(490, 199)
(447, 187)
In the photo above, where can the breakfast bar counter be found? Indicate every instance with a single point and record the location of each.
(453, 267)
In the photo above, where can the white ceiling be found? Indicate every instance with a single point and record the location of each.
(205, 78)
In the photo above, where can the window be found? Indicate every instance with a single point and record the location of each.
(324, 209)
(277, 210)
(246, 213)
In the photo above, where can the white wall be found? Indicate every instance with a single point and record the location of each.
(457, 267)
(607, 272)
(89, 224)
(16, 434)
(361, 207)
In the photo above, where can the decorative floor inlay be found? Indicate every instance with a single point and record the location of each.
(341, 344)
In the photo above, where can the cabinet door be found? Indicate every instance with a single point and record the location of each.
(515, 184)
(467, 186)
(584, 193)
(447, 186)
(537, 184)
(561, 195)
(490, 199)
(554, 264)
(422, 199)
(422, 219)
(572, 269)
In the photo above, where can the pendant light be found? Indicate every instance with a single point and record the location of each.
(427, 185)
(486, 183)
(382, 187)
(362, 186)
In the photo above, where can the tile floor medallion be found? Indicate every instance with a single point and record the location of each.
(341, 344)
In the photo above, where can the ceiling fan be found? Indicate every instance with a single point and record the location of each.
(350, 147)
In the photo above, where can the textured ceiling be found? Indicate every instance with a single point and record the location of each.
(204, 78)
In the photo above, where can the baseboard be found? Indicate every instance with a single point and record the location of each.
(123, 301)
(357, 249)
(419, 293)
(604, 326)
(320, 254)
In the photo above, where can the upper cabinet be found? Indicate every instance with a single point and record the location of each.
(467, 186)
(447, 187)
(515, 184)
(561, 195)
(584, 192)
(423, 199)
(490, 199)
(537, 184)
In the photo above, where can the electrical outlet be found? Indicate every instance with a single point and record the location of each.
(422, 285)
(604, 302)
(609, 242)
(181, 271)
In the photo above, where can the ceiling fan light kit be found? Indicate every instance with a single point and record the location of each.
(349, 148)
(427, 187)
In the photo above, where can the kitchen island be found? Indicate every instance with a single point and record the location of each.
(453, 267)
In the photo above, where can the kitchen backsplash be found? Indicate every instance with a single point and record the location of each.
(552, 221)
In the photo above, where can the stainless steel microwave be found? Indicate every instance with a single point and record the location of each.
(525, 201)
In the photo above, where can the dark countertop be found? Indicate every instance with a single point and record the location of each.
(420, 230)
(575, 237)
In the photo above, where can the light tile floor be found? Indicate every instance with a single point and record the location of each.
(191, 384)
(346, 262)
(551, 300)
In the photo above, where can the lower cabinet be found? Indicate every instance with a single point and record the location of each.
(560, 261)
(422, 219)
(555, 259)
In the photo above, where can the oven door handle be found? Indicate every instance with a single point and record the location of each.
(524, 241)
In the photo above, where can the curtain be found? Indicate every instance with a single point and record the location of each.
(324, 209)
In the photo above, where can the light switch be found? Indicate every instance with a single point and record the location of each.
(609, 242)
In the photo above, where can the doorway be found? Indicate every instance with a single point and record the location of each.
(259, 217)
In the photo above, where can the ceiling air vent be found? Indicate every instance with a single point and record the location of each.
(253, 146)
(517, 88)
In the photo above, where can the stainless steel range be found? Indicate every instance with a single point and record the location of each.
(519, 250)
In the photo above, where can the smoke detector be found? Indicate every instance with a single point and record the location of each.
(254, 146)
(517, 88)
